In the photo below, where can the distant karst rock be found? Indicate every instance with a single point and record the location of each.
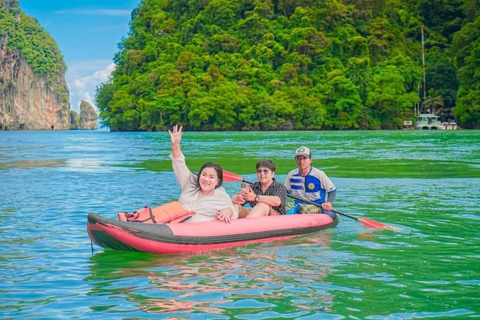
(33, 90)
(74, 120)
(88, 116)
(12, 7)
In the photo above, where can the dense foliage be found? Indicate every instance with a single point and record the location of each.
(36, 46)
(281, 64)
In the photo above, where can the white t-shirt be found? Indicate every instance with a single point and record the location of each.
(207, 207)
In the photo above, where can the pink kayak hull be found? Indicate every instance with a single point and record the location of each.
(201, 236)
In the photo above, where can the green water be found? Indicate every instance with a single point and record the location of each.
(426, 183)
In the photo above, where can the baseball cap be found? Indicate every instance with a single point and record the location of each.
(303, 151)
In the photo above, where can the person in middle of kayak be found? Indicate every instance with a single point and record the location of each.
(201, 193)
(267, 197)
(311, 184)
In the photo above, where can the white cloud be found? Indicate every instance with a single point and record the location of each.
(89, 99)
(79, 84)
(83, 80)
(103, 12)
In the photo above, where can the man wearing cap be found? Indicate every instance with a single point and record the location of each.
(309, 183)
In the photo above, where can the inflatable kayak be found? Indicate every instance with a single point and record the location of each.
(186, 237)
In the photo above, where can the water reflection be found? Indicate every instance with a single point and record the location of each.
(233, 281)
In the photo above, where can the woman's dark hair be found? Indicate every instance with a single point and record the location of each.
(217, 168)
(267, 163)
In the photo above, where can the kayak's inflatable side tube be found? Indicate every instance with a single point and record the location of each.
(201, 236)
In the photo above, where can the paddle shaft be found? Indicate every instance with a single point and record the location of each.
(230, 177)
(320, 206)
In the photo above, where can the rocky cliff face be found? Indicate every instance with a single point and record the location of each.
(88, 117)
(74, 120)
(28, 101)
(11, 6)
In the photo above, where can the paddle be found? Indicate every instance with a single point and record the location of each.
(366, 222)
(231, 177)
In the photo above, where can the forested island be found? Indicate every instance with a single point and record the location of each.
(293, 64)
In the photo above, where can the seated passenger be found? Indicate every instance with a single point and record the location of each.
(201, 193)
(267, 197)
(310, 183)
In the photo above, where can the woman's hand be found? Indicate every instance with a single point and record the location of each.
(225, 215)
(176, 135)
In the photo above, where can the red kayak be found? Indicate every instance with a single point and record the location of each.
(201, 236)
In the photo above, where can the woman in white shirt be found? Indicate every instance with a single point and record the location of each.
(201, 193)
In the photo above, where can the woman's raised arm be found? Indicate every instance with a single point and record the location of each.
(176, 137)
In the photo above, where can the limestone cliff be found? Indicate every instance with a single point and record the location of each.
(27, 101)
(74, 120)
(33, 90)
(88, 116)
(12, 7)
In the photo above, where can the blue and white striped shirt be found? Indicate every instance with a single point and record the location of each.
(315, 186)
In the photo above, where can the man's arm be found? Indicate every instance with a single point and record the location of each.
(287, 184)
(327, 205)
(331, 196)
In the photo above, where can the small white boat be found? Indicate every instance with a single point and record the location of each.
(448, 126)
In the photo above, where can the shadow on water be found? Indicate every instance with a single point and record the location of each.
(338, 167)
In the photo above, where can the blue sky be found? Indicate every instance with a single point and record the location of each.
(87, 33)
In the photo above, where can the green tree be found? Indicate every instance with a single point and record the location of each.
(388, 99)
(466, 45)
(37, 47)
(275, 64)
(433, 103)
(441, 75)
(104, 94)
(343, 102)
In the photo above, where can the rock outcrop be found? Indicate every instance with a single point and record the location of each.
(12, 7)
(74, 120)
(88, 116)
(29, 100)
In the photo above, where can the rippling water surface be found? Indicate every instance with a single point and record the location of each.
(426, 183)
